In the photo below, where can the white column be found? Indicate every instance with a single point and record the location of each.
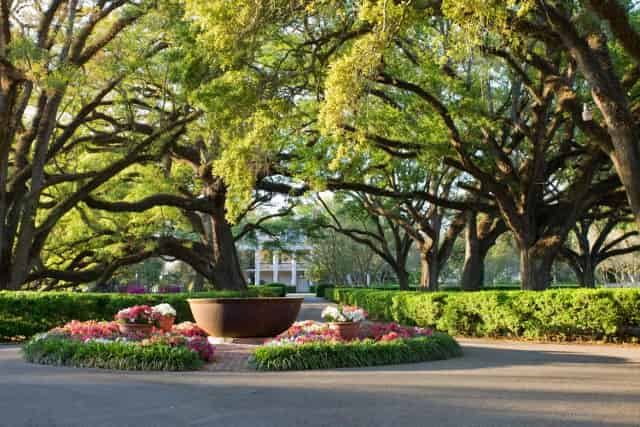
(276, 262)
(257, 269)
(294, 271)
(368, 279)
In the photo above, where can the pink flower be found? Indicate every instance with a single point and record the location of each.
(140, 314)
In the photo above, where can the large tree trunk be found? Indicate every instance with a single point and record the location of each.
(535, 268)
(627, 163)
(227, 273)
(473, 270)
(594, 60)
(428, 269)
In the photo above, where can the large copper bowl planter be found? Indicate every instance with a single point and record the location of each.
(245, 317)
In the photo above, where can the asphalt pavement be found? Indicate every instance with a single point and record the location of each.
(496, 383)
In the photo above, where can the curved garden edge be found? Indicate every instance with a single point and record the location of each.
(355, 354)
(120, 356)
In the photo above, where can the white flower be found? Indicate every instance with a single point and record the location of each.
(164, 310)
(343, 314)
(332, 314)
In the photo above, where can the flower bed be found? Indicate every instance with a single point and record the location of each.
(95, 344)
(314, 345)
(26, 313)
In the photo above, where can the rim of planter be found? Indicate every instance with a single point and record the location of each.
(242, 300)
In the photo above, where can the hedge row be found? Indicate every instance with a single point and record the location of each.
(23, 314)
(356, 354)
(66, 352)
(609, 314)
(284, 288)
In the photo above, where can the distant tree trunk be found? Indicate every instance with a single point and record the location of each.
(588, 279)
(403, 279)
(198, 283)
(473, 269)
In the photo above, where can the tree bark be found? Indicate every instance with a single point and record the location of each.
(227, 273)
(588, 279)
(594, 60)
(473, 270)
(535, 268)
(428, 269)
(403, 279)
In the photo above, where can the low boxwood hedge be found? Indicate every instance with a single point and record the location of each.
(355, 354)
(319, 289)
(282, 288)
(24, 314)
(563, 314)
(116, 355)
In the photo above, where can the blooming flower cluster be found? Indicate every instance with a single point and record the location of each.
(85, 331)
(310, 331)
(202, 346)
(183, 334)
(139, 314)
(344, 313)
(163, 310)
(393, 331)
(196, 343)
(189, 329)
(305, 332)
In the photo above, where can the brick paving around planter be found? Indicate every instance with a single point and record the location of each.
(231, 358)
(232, 355)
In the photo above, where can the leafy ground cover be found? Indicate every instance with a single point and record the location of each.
(314, 345)
(96, 344)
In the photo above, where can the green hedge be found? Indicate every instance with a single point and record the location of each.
(563, 314)
(66, 352)
(23, 314)
(321, 288)
(328, 355)
(282, 288)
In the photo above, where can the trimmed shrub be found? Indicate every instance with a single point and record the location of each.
(24, 314)
(355, 354)
(280, 287)
(562, 314)
(321, 288)
(116, 355)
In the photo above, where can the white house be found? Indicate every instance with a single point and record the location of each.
(268, 265)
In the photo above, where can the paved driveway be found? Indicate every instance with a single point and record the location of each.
(494, 384)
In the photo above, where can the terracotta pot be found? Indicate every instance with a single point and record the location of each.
(138, 329)
(346, 330)
(165, 323)
(245, 317)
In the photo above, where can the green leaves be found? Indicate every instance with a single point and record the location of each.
(123, 356)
